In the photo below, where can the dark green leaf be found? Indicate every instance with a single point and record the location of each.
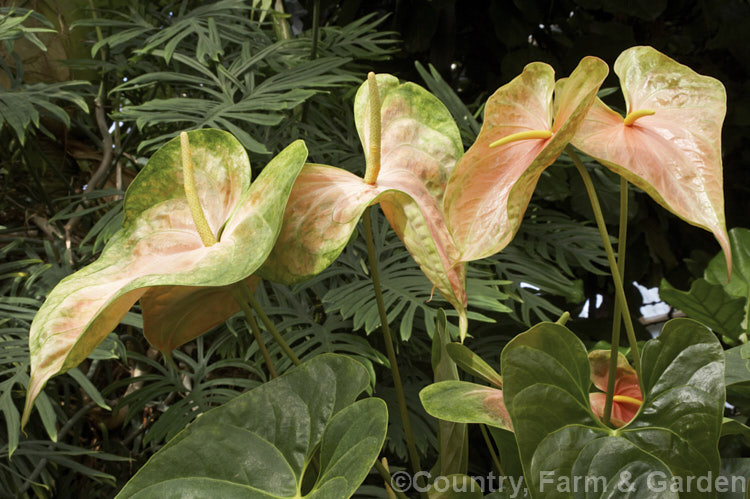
(261, 443)
(546, 385)
(708, 303)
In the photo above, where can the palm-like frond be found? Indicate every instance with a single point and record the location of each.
(23, 106)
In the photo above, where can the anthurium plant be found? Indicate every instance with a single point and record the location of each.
(199, 236)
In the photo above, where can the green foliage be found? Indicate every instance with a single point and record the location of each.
(453, 442)
(25, 104)
(406, 290)
(235, 65)
(546, 380)
(263, 443)
(709, 304)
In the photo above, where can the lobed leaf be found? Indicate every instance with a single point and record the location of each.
(676, 432)
(261, 443)
(708, 303)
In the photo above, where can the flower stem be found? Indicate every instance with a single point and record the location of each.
(405, 421)
(617, 319)
(194, 202)
(619, 289)
(490, 447)
(385, 474)
(238, 296)
(269, 325)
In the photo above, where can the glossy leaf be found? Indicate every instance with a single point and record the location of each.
(739, 283)
(464, 402)
(490, 187)
(159, 247)
(546, 380)
(737, 378)
(675, 154)
(260, 444)
(731, 426)
(736, 471)
(420, 144)
(453, 438)
(709, 304)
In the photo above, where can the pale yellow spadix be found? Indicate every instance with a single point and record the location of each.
(631, 117)
(531, 134)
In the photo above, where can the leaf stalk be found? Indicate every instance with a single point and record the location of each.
(375, 275)
(617, 319)
(619, 289)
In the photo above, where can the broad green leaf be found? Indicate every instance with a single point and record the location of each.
(739, 283)
(490, 187)
(464, 402)
(737, 377)
(709, 304)
(674, 155)
(453, 438)
(736, 471)
(731, 426)
(473, 364)
(159, 247)
(676, 432)
(260, 444)
(420, 144)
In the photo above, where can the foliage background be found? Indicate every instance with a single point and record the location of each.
(118, 78)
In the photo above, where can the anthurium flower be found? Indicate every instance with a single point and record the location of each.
(627, 398)
(669, 143)
(525, 129)
(419, 146)
(159, 256)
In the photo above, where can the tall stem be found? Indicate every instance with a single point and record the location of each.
(619, 289)
(238, 296)
(315, 28)
(617, 319)
(405, 421)
(493, 454)
(269, 325)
